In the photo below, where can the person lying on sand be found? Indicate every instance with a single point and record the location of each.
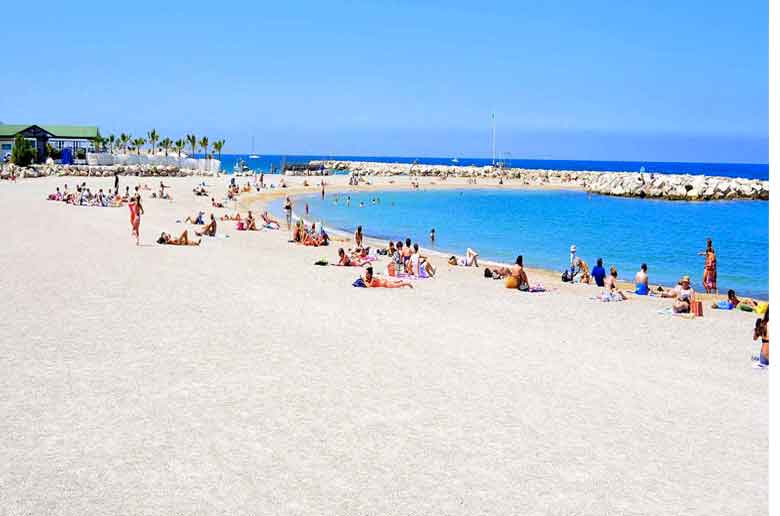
(216, 204)
(470, 260)
(209, 229)
(497, 272)
(235, 217)
(200, 190)
(345, 260)
(732, 301)
(197, 219)
(167, 239)
(368, 280)
(421, 267)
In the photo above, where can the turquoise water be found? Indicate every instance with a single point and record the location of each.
(541, 225)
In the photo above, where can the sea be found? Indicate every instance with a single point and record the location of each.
(747, 170)
(542, 225)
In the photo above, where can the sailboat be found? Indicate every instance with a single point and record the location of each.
(455, 160)
(253, 155)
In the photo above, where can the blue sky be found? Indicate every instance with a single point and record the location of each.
(662, 80)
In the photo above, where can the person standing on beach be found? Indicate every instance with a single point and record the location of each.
(288, 212)
(433, 236)
(710, 277)
(116, 183)
(573, 261)
(322, 192)
(136, 220)
(359, 237)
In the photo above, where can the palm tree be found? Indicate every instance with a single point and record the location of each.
(204, 144)
(124, 139)
(98, 141)
(138, 143)
(217, 145)
(193, 141)
(178, 146)
(111, 142)
(166, 143)
(152, 138)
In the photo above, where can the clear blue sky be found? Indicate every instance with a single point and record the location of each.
(661, 80)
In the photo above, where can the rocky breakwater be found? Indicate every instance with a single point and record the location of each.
(9, 170)
(624, 184)
(677, 187)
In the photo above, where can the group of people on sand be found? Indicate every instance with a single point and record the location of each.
(310, 235)
(83, 196)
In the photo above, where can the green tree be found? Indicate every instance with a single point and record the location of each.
(218, 145)
(138, 143)
(22, 153)
(111, 142)
(98, 141)
(152, 138)
(178, 146)
(192, 140)
(204, 144)
(166, 143)
(124, 139)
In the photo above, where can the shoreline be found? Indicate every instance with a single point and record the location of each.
(550, 276)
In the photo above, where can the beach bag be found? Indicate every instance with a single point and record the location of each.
(697, 309)
(359, 283)
(566, 276)
(523, 287)
(510, 282)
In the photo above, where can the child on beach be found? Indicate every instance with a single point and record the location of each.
(762, 331)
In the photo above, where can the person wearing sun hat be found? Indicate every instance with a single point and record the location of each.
(683, 295)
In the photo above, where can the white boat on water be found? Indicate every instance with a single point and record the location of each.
(455, 160)
(253, 155)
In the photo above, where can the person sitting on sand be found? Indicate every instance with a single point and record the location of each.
(599, 273)
(582, 270)
(209, 229)
(641, 281)
(198, 219)
(270, 222)
(517, 277)
(200, 190)
(611, 290)
(368, 280)
(470, 260)
(250, 224)
(683, 295)
(216, 204)
(421, 267)
(345, 260)
(167, 239)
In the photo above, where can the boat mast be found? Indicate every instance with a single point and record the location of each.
(493, 117)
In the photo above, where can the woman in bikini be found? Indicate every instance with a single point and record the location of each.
(710, 277)
(184, 239)
(209, 229)
(136, 221)
(762, 331)
(372, 281)
(251, 222)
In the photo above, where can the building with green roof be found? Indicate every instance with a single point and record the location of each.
(60, 136)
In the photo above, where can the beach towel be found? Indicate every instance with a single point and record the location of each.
(359, 283)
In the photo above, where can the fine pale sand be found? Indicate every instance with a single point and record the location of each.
(238, 378)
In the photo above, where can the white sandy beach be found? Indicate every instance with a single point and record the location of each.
(238, 378)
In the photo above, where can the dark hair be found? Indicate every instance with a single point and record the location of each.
(731, 293)
(341, 251)
(370, 270)
(408, 242)
(399, 244)
(643, 267)
(600, 262)
(488, 272)
(360, 229)
(519, 260)
(161, 240)
(416, 247)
